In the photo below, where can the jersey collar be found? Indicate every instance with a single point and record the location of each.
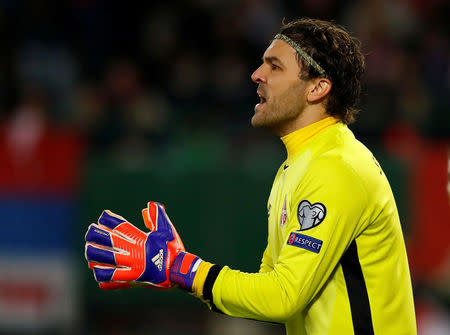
(295, 140)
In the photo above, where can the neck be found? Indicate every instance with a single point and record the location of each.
(310, 115)
(297, 139)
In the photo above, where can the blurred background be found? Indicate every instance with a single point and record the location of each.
(108, 104)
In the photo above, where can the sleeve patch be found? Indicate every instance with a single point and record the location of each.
(305, 242)
(310, 215)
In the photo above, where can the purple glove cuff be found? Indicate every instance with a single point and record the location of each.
(184, 269)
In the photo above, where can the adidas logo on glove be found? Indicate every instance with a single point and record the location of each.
(158, 260)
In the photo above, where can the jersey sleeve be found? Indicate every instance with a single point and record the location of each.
(331, 193)
(266, 262)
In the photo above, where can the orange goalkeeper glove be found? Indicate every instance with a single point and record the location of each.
(123, 256)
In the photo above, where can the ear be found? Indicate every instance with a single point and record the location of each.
(318, 89)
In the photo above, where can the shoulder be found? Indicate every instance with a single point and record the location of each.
(343, 156)
(346, 169)
(332, 170)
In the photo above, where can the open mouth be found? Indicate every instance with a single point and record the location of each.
(262, 98)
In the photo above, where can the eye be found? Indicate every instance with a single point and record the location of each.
(275, 67)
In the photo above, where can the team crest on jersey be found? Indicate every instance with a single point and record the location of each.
(310, 215)
(283, 217)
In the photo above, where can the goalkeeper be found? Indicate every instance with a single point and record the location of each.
(335, 262)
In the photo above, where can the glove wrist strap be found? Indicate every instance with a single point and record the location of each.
(184, 270)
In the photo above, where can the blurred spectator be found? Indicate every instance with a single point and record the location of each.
(37, 156)
(123, 117)
(53, 68)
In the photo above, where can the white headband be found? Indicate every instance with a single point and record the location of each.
(307, 58)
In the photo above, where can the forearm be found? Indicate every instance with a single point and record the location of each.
(260, 296)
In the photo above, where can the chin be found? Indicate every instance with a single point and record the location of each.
(255, 122)
(259, 121)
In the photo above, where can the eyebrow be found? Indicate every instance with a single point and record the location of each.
(272, 59)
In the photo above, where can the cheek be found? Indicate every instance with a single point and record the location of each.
(277, 88)
(289, 94)
(292, 98)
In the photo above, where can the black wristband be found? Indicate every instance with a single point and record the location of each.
(209, 283)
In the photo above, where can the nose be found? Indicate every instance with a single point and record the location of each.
(258, 76)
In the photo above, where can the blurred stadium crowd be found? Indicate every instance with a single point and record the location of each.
(150, 82)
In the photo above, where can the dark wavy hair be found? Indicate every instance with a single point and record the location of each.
(339, 54)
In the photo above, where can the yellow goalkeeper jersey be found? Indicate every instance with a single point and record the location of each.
(335, 261)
